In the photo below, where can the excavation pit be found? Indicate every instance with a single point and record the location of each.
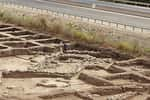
(37, 37)
(128, 78)
(2, 47)
(55, 40)
(21, 33)
(4, 26)
(9, 39)
(20, 44)
(13, 29)
(3, 36)
(34, 66)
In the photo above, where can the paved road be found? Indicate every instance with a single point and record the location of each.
(86, 12)
(109, 6)
(115, 5)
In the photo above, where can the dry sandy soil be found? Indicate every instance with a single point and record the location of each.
(32, 66)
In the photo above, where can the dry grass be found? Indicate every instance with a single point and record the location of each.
(129, 47)
(71, 30)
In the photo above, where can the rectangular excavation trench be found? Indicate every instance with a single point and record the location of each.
(9, 29)
(4, 26)
(20, 44)
(37, 37)
(9, 39)
(127, 78)
(2, 47)
(21, 33)
(29, 74)
(3, 36)
(52, 40)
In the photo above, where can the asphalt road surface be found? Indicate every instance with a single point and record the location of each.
(137, 21)
(116, 7)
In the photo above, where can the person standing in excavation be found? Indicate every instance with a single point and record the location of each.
(63, 47)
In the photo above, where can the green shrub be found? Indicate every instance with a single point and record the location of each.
(132, 47)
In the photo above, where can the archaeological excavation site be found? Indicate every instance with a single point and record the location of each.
(33, 67)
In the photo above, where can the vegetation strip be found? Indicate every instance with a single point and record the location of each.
(88, 34)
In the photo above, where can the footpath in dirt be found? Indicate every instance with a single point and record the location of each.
(32, 66)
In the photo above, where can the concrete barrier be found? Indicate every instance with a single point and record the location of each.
(113, 25)
(92, 21)
(106, 23)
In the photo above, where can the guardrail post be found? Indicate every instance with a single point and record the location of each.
(88, 19)
(125, 26)
(117, 25)
(75, 17)
(94, 20)
(133, 28)
(109, 23)
(142, 29)
(81, 18)
(102, 22)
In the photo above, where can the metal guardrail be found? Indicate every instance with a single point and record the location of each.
(116, 25)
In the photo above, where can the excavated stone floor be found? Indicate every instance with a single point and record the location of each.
(32, 67)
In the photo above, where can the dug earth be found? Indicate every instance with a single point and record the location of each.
(32, 67)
